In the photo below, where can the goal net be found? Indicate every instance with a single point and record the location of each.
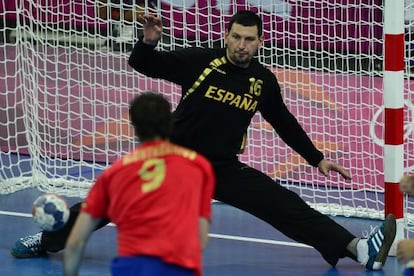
(66, 85)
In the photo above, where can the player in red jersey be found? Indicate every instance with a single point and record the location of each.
(158, 196)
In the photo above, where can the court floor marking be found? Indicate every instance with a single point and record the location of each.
(212, 235)
(246, 239)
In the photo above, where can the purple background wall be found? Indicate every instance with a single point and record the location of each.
(340, 25)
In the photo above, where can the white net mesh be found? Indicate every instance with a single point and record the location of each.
(66, 85)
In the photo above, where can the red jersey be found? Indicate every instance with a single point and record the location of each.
(155, 196)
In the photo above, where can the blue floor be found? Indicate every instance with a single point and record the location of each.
(240, 244)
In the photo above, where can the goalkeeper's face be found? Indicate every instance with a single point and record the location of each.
(242, 44)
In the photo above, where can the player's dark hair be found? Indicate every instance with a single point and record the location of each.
(150, 114)
(246, 18)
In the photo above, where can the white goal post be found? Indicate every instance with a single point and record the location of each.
(65, 87)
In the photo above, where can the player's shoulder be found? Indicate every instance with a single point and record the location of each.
(267, 71)
(189, 153)
(114, 167)
(270, 74)
(203, 52)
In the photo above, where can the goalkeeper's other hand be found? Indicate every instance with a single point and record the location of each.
(407, 184)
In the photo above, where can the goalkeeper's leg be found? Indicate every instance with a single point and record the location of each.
(256, 193)
(42, 242)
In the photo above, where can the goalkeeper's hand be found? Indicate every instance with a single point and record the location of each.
(325, 166)
(152, 28)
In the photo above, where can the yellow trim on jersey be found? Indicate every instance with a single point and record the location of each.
(213, 64)
(243, 143)
(156, 151)
(197, 83)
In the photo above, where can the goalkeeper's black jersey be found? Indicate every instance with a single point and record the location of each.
(219, 100)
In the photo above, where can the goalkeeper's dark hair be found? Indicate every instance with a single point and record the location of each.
(246, 18)
(150, 114)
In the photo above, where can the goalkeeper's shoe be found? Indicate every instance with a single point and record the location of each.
(377, 245)
(28, 247)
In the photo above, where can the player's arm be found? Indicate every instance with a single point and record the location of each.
(180, 66)
(92, 210)
(144, 58)
(291, 132)
(177, 66)
(206, 199)
(76, 243)
(285, 124)
(204, 229)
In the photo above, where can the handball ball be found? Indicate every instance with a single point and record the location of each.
(50, 212)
